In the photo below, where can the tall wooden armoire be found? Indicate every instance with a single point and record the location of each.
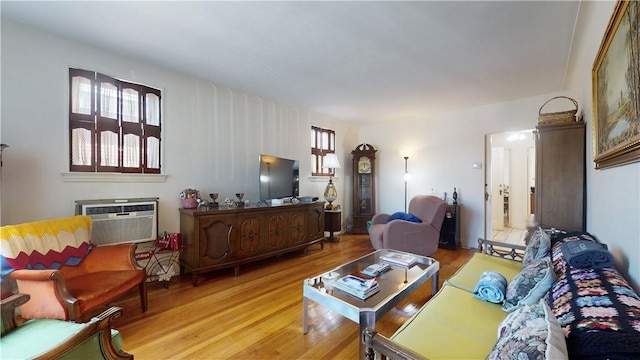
(560, 193)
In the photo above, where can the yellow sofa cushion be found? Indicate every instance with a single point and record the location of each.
(452, 325)
(466, 278)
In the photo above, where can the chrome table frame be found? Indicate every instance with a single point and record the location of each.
(366, 312)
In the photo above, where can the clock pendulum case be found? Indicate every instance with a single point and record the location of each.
(364, 195)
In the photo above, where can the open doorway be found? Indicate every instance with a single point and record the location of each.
(509, 185)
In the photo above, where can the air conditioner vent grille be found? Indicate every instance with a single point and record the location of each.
(121, 220)
(147, 207)
(103, 210)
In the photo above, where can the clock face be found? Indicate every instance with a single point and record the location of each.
(364, 165)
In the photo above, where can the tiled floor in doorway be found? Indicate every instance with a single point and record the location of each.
(510, 236)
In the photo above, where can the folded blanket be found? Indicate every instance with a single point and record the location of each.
(46, 244)
(585, 254)
(491, 287)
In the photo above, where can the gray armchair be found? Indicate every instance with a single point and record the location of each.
(413, 237)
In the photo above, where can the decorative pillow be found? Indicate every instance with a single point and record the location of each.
(530, 332)
(404, 216)
(529, 285)
(539, 246)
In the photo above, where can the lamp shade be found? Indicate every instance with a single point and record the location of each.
(330, 161)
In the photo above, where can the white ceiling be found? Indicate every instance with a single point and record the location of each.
(365, 62)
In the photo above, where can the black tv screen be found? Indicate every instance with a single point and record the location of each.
(279, 178)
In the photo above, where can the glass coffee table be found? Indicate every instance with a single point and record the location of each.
(395, 285)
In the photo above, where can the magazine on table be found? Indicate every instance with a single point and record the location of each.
(404, 260)
(357, 287)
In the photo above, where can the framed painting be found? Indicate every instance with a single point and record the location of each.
(616, 89)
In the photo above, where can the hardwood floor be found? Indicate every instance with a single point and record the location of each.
(258, 315)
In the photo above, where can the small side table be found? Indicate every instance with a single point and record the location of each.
(450, 231)
(332, 223)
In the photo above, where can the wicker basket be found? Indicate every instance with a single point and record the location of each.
(558, 117)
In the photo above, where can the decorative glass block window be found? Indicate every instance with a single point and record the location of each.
(114, 126)
(323, 142)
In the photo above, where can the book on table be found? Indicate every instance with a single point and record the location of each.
(404, 260)
(375, 269)
(357, 287)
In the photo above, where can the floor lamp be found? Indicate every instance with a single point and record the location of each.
(406, 180)
(2, 147)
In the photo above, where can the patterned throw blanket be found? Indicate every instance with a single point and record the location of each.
(597, 308)
(45, 244)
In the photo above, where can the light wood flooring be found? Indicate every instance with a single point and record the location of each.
(509, 235)
(258, 314)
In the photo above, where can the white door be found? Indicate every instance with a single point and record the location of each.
(499, 184)
(508, 175)
(531, 180)
(497, 170)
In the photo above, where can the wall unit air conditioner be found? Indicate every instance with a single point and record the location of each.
(121, 220)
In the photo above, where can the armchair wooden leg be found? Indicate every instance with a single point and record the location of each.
(143, 295)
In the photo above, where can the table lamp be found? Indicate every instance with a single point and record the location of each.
(330, 161)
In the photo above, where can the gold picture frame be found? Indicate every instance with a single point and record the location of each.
(616, 90)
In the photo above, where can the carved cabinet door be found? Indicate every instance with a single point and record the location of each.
(216, 242)
(298, 227)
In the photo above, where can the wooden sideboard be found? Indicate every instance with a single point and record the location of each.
(225, 238)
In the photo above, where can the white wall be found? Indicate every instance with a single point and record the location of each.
(443, 147)
(212, 135)
(613, 195)
(441, 152)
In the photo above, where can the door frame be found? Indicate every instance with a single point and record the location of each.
(487, 185)
(487, 178)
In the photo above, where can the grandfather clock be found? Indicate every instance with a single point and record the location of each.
(364, 194)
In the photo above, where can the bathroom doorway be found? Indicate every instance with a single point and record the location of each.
(509, 184)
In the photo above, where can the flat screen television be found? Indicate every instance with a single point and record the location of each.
(279, 177)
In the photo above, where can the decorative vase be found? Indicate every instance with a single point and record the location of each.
(189, 203)
(455, 197)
